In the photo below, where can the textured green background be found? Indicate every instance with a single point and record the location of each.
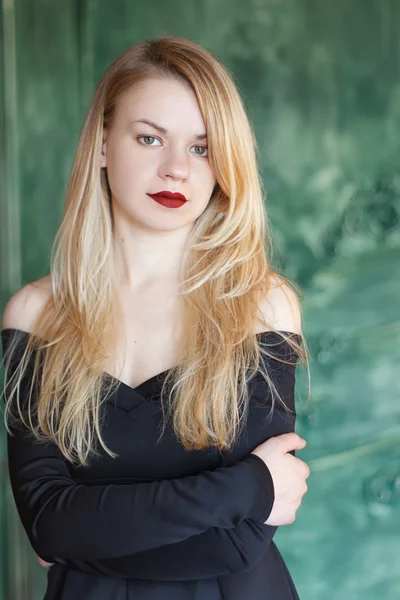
(320, 79)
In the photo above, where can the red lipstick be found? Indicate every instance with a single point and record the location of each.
(169, 199)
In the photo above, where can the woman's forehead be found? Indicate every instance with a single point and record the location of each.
(167, 107)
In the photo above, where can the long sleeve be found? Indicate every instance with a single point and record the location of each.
(214, 553)
(65, 519)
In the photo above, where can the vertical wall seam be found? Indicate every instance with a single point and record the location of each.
(10, 226)
(16, 581)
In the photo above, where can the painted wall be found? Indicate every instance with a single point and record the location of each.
(321, 81)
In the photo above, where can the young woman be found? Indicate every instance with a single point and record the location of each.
(150, 378)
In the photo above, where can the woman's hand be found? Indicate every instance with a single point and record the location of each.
(43, 563)
(289, 475)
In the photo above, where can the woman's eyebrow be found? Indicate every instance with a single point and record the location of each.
(201, 136)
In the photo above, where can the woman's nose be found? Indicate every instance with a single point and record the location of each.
(176, 165)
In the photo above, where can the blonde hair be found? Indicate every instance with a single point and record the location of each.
(225, 271)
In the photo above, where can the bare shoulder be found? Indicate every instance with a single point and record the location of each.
(24, 307)
(281, 307)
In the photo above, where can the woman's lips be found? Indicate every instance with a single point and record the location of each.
(168, 202)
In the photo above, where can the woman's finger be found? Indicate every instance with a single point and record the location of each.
(43, 563)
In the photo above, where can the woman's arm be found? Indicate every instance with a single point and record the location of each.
(64, 519)
(214, 553)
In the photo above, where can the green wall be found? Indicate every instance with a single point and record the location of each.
(321, 81)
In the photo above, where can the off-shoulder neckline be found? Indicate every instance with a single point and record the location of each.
(269, 332)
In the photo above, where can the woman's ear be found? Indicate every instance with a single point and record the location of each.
(103, 161)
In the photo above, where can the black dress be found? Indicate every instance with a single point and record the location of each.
(158, 522)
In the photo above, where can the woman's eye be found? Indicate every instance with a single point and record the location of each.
(202, 148)
(147, 137)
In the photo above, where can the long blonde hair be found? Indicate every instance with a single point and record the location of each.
(225, 272)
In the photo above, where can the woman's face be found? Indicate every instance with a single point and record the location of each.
(168, 155)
